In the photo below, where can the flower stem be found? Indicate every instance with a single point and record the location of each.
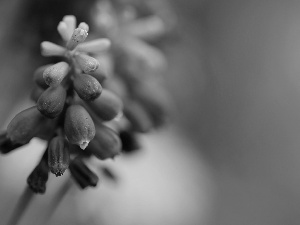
(57, 199)
(21, 207)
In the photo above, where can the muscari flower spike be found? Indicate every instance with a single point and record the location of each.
(57, 116)
(76, 108)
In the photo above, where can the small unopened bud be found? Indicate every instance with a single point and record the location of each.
(51, 49)
(62, 29)
(58, 156)
(117, 86)
(25, 125)
(83, 176)
(94, 46)
(70, 22)
(87, 87)
(141, 60)
(84, 26)
(79, 126)
(39, 176)
(51, 102)
(107, 106)
(155, 100)
(105, 68)
(87, 63)
(54, 75)
(38, 76)
(140, 120)
(148, 28)
(79, 35)
(129, 141)
(106, 143)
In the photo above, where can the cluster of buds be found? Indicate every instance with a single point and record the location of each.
(98, 98)
(68, 95)
(137, 30)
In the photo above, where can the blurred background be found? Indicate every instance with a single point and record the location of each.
(231, 155)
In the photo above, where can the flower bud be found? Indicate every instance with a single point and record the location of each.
(138, 117)
(100, 73)
(140, 60)
(82, 174)
(105, 68)
(58, 156)
(107, 106)
(25, 125)
(6, 144)
(155, 100)
(54, 75)
(87, 63)
(38, 76)
(70, 22)
(79, 126)
(62, 29)
(39, 176)
(79, 35)
(51, 102)
(87, 87)
(117, 86)
(94, 46)
(51, 49)
(106, 143)
(129, 141)
(148, 28)
(84, 26)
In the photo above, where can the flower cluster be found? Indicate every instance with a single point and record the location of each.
(100, 95)
(136, 30)
(68, 95)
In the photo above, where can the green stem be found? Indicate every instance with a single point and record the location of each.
(21, 207)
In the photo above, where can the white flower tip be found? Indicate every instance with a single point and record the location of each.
(70, 21)
(106, 43)
(84, 144)
(84, 26)
(79, 35)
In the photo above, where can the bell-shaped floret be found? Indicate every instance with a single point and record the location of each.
(51, 102)
(58, 155)
(106, 143)
(107, 106)
(87, 63)
(25, 125)
(87, 87)
(39, 176)
(83, 176)
(79, 126)
(54, 74)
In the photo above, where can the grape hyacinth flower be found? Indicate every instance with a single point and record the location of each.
(67, 96)
(98, 97)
